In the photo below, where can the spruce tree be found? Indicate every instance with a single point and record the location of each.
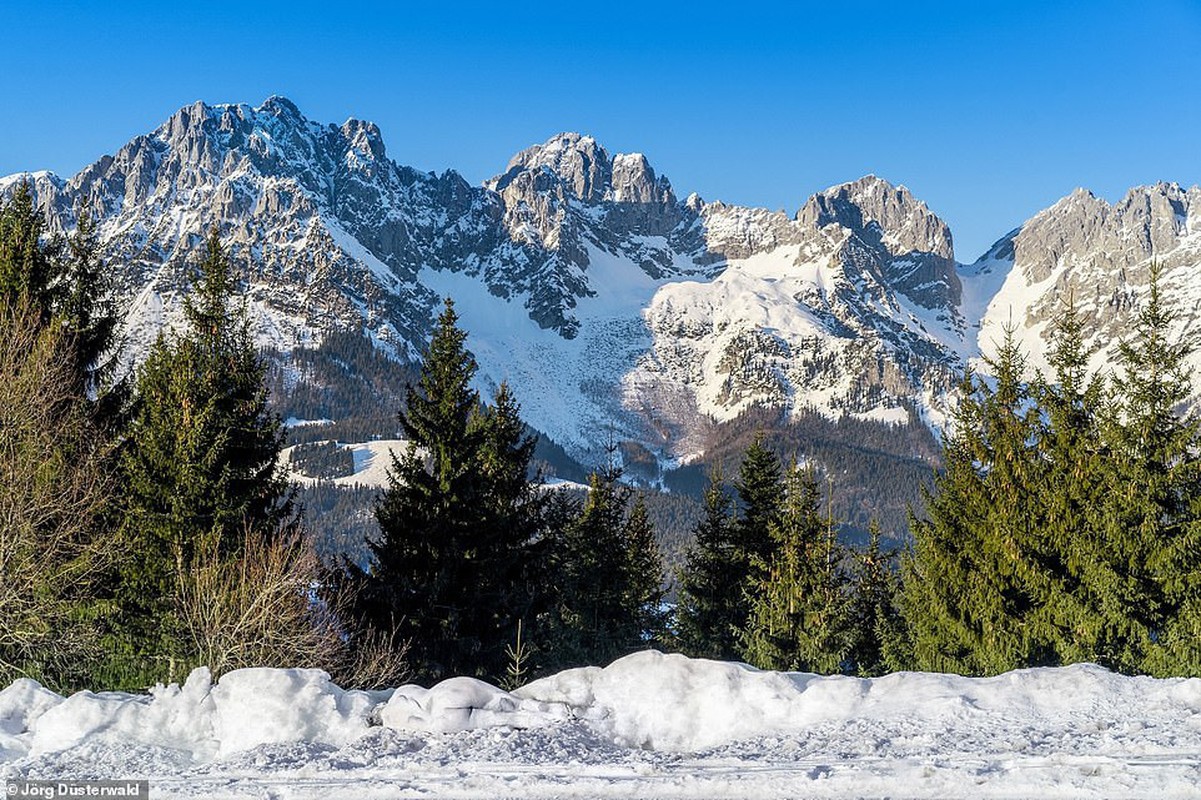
(63, 281)
(609, 573)
(874, 622)
(200, 466)
(455, 568)
(595, 624)
(89, 313)
(644, 580)
(1149, 526)
(29, 271)
(707, 614)
(973, 582)
(761, 497)
(798, 612)
(1069, 546)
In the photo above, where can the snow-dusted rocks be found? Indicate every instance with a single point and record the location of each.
(1098, 255)
(614, 309)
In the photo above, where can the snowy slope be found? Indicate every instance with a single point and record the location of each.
(1099, 256)
(648, 726)
(372, 460)
(615, 310)
(556, 263)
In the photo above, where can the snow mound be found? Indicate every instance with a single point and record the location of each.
(461, 704)
(648, 725)
(673, 703)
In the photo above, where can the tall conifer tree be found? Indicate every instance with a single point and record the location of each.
(973, 581)
(798, 610)
(455, 568)
(874, 623)
(201, 465)
(1150, 528)
(711, 582)
(1069, 546)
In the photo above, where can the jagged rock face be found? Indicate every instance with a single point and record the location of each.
(912, 247)
(613, 308)
(1098, 256)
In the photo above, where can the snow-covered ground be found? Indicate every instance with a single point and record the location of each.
(372, 460)
(648, 726)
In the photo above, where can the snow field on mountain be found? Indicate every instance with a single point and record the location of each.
(649, 725)
(568, 388)
(372, 460)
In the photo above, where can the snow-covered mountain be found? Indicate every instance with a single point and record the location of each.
(1097, 255)
(614, 309)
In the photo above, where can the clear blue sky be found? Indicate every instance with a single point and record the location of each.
(987, 111)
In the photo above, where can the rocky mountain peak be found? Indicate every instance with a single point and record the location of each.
(893, 238)
(881, 214)
(364, 139)
(634, 181)
(280, 106)
(1085, 231)
(579, 162)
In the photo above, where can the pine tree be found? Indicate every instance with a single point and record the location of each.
(89, 312)
(455, 568)
(711, 582)
(595, 626)
(761, 497)
(609, 572)
(201, 462)
(874, 622)
(1150, 525)
(29, 272)
(973, 582)
(1069, 547)
(644, 580)
(797, 618)
(61, 281)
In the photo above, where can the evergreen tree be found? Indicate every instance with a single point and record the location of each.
(973, 582)
(1146, 607)
(610, 575)
(200, 466)
(29, 272)
(454, 569)
(1068, 547)
(644, 579)
(89, 313)
(874, 621)
(711, 582)
(61, 281)
(797, 618)
(761, 496)
(596, 625)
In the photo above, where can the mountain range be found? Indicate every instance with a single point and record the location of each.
(617, 310)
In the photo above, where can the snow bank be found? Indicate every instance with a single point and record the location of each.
(461, 704)
(674, 703)
(247, 709)
(648, 725)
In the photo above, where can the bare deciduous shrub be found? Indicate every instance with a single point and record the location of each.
(260, 609)
(53, 485)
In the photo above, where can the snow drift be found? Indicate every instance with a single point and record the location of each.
(654, 722)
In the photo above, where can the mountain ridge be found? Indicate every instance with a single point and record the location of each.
(614, 308)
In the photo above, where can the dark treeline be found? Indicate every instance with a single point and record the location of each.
(147, 527)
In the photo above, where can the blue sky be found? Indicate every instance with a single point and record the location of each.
(987, 111)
